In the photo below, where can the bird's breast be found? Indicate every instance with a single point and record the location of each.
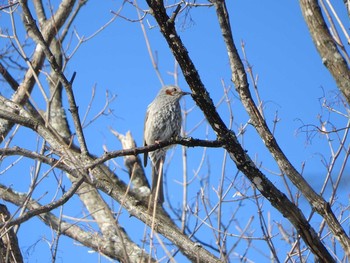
(163, 123)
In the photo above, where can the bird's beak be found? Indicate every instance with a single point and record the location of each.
(186, 93)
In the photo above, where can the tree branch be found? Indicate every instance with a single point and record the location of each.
(9, 248)
(45, 208)
(326, 46)
(188, 141)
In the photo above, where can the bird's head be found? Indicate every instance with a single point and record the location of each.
(172, 92)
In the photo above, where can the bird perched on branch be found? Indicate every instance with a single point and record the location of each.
(162, 122)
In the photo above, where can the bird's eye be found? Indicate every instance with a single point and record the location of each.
(171, 91)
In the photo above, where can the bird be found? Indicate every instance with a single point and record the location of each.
(162, 122)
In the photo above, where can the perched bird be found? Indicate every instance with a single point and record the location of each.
(162, 122)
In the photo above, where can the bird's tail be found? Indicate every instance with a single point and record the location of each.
(157, 181)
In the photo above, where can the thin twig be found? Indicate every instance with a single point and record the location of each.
(190, 142)
(31, 25)
(148, 45)
(46, 208)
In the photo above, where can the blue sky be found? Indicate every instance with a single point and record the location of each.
(292, 79)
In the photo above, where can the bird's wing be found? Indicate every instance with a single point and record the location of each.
(145, 155)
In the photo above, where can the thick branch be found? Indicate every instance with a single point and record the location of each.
(326, 46)
(9, 248)
(8, 77)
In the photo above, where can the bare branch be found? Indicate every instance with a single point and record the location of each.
(326, 47)
(190, 142)
(9, 248)
(134, 165)
(46, 208)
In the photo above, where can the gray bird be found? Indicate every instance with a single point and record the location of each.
(162, 122)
